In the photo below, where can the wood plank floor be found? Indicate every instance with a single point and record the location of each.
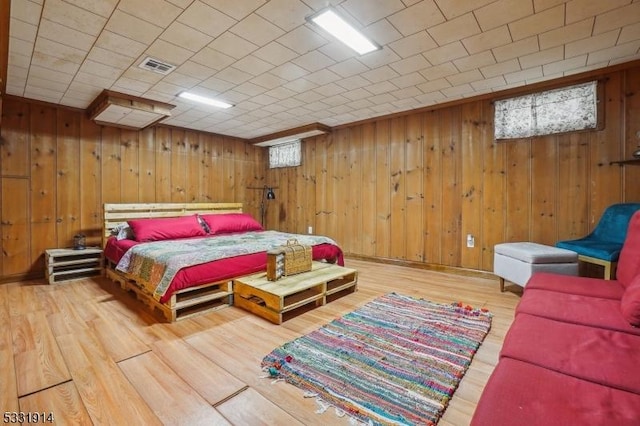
(91, 354)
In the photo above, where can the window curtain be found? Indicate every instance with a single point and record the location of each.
(554, 111)
(285, 155)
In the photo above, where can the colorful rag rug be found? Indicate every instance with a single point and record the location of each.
(395, 360)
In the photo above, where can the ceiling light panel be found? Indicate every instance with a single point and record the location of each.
(330, 21)
(204, 100)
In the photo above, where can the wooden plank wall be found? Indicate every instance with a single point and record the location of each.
(410, 188)
(58, 168)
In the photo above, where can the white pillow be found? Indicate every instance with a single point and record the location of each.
(122, 232)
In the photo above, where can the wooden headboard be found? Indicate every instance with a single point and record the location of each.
(115, 214)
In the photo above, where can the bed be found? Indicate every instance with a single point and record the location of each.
(182, 258)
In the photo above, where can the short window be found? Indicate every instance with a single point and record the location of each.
(285, 155)
(561, 110)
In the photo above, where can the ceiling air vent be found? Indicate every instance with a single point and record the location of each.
(155, 65)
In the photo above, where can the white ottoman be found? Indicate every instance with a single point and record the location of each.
(516, 262)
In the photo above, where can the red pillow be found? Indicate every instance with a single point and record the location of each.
(166, 228)
(226, 223)
(630, 302)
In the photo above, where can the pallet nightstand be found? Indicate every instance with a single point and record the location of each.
(69, 264)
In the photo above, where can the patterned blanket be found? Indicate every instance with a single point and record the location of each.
(155, 264)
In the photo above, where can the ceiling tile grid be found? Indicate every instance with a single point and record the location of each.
(281, 71)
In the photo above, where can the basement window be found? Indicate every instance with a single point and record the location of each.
(285, 154)
(563, 110)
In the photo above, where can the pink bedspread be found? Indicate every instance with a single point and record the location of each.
(218, 270)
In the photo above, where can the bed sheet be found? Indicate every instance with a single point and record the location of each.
(218, 270)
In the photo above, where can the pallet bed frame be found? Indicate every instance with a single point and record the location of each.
(184, 303)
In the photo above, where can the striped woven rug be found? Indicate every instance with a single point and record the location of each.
(395, 360)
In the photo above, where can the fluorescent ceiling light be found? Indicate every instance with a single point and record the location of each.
(335, 25)
(204, 100)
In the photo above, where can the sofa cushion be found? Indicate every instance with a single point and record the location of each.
(607, 357)
(519, 393)
(629, 262)
(577, 309)
(630, 303)
(594, 287)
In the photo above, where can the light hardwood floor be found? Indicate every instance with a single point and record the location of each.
(90, 354)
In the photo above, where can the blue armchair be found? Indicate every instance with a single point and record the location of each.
(603, 245)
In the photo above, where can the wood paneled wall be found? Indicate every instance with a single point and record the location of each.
(58, 168)
(412, 187)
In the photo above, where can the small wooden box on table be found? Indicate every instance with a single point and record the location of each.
(68, 264)
(280, 300)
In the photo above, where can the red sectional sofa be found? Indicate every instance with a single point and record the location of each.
(572, 354)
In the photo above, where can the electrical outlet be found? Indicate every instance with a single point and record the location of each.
(310, 230)
(471, 241)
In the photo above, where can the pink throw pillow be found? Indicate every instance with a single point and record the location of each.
(166, 228)
(630, 302)
(227, 223)
(629, 261)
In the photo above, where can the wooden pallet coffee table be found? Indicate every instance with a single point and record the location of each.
(280, 300)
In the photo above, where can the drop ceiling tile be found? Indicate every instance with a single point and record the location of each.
(474, 61)
(416, 43)
(17, 46)
(65, 35)
(120, 44)
(101, 70)
(36, 82)
(382, 32)
(166, 89)
(407, 92)
(94, 80)
(52, 75)
(257, 30)
(186, 37)
(137, 85)
(382, 98)
(499, 36)
(53, 63)
(431, 98)
(286, 14)
(489, 84)
(382, 87)
(167, 52)
(369, 11)
(455, 29)
(206, 19)
(539, 58)
(313, 61)
(330, 89)
(302, 40)
(379, 58)
(629, 33)
(108, 57)
(321, 77)
(577, 10)
(289, 103)
(465, 77)
(140, 74)
(380, 74)
(268, 81)
(264, 99)
(502, 12)
(61, 51)
(250, 89)
(237, 9)
(182, 80)
(617, 18)
(335, 100)
(409, 65)
(289, 71)
(281, 93)
(74, 17)
(195, 70)
(23, 30)
(418, 17)
(540, 5)
(353, 82)
(213, 59)
(101, 7)
(43, 94)
(300, 85)
(407, 80)
(348, 68)
(233, 97)
(356, 94)
(233, 75)
(453, 9)
(162, 13)
(338, 51)
(501, 68)
(627, 51)
(275, 53)
(434, 85)
(566, 34)
(359, 104)
(524, 75)
(308, 96)
(340, 109)
(564, 65)
(439, 71)
(457, 91)
(21, 61)
(547, 20)
(232, 45)
(26, 11)
(510, 51)
(591, 44)
(133, 28)
(253, 65)
(446, 53)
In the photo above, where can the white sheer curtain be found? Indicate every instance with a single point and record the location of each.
(285, 155)
(554, 111)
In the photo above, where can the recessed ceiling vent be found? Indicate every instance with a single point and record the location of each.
(156, 65)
